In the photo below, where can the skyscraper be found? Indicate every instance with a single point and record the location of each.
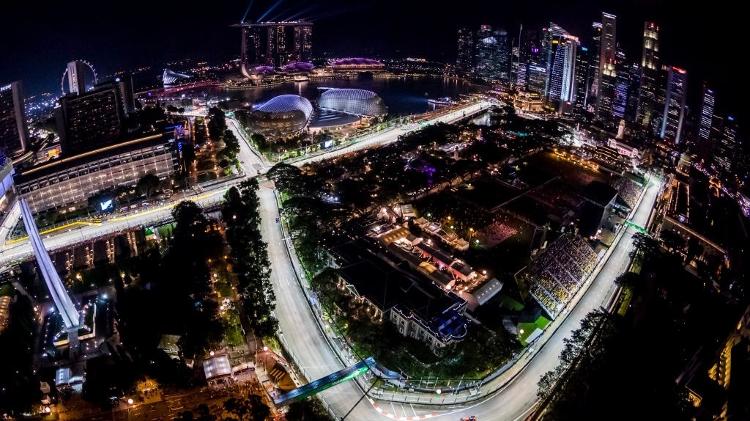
(13, 131)
(275, 44)
(596, 43)
(561, 65)
(583, 79)
(76, 77)
(707, 113)
(607, 49)
(90, 120)
(674, 105)
(492, 54)
(728, 148)
(465, 50)
(537, 80)
(648, 106)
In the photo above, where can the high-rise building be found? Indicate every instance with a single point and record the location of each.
(537, 79)
(561, 65)
(492, 54)
(622, 87)
(707, 113)
(13, 131)
(465, 50)
(504, 54)
(648, 106)
(674, 105)
(596, 43)
(77, 77)
(728, 148)
(583, 79)
(607, 50)
(275, 44)
(634, 75)
(90, 120)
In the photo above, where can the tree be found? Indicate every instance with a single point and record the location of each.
(249, 257)
(309, 409)
(147, 185)
(251, 408)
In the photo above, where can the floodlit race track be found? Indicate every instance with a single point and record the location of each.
(511, 396)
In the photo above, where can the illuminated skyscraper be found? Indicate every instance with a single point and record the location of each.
(537, 80)
(492, 54)
(561, 65)
(583, 78)
(465, 50)
(707, 113)
(13, 131)
(275, 43)
(648, 106)
(674, 105)
(728, 148)
(607, 51)
(596, 43)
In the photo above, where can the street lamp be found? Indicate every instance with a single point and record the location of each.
(130, 401)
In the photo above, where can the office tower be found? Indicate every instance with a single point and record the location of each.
(504, 54)
(465, 50)
(90, 120)
(674, 105)
(596, 43)
(648, 106)
(522, 71)
(707, 113)
(13, 131)
(607, 50)
(77, 77)
(728, 148)
(583, 79)
(492, 54)
(275, 44)
(537, 79)
(125, 85)
(633, 71)
(622, 85)
(561, 65)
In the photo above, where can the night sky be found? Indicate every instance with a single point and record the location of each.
(40, 37)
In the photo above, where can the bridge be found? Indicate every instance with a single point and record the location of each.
(63, 304)
(635, 226)
(341, 376)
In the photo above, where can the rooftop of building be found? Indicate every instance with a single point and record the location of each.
(51, 167)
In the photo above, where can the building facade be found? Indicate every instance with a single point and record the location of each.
(648, 106)
(705, 124)
(674, 105)
(69, 182)
(13, 131)
(465, 50)
(90, 120)
(561, 65)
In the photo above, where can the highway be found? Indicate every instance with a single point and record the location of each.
(299, 329)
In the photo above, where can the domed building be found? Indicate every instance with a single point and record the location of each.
(359, 102)
(281, 116)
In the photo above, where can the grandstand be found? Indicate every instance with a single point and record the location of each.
(559, 271)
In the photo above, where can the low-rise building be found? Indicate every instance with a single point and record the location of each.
(416, 307)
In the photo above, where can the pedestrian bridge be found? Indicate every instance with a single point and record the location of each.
(341, 376)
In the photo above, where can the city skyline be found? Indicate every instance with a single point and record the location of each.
(105, 41)
(291, 210)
